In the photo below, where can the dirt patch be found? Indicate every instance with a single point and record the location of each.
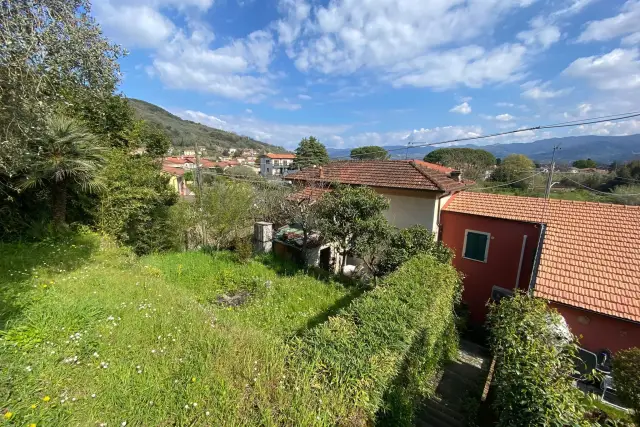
(233, 299)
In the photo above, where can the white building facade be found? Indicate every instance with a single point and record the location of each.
(276, 164)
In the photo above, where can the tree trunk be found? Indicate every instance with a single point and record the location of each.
(59, 204)
(305, 240)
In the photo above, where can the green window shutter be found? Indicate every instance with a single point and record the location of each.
(476, 246)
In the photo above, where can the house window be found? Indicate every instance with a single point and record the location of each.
(476, 245)
(268, 161)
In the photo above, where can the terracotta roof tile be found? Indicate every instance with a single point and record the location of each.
(591, 252)
(280, 156)
(309, 192)
(409, 174)
(173, 170)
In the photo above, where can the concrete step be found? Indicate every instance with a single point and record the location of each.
(438, 419)
(436, 404)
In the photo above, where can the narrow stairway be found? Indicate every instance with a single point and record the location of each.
(459, 384)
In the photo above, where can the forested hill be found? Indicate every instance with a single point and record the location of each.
(184, 133)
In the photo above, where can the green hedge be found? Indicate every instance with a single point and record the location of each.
(375, 358)
(532, 378)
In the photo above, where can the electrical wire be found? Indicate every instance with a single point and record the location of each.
(502, 185)
(602, 192)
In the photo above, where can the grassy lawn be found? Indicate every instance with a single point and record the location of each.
(91, 335)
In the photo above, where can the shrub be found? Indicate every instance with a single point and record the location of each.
(376, 357)
(409, 242)
(243, 248)
(626, 375)
(533, 373)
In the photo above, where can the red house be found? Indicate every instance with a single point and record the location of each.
(584, 258)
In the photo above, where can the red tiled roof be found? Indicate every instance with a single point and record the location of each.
(177, 160)
(173, 170)
(409, 174)
(280, 156)
(435, 166)
(309, 192)
(591, 252)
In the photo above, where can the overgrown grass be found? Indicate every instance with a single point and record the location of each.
(91, 335)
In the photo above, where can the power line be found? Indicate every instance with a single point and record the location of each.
(602, 192)
(502, 185)
(418, 144)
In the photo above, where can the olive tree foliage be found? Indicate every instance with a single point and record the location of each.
(533, 375)
(473, 162)
(53, 56)
(515, 167)
(347, 214)
(626, 374)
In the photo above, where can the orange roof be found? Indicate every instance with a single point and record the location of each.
(435, 166)
(591, 251)
(177, 160)
(173, 170)
(409, 174)
(282, 156)
(309, 193)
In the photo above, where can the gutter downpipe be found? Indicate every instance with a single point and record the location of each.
(534, 273)
(438, 224)
(524, 244)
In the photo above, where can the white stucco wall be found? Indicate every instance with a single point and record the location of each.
(405, 211)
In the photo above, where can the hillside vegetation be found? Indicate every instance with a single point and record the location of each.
(184, 133)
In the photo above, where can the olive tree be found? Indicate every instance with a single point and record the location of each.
(53, 56)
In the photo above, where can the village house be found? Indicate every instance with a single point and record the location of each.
(583, 257)
(416, 190)
(276, 164)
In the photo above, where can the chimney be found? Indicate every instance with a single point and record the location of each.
(457, 175)
(321, 172)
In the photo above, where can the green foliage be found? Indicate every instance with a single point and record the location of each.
(406, 243)
(188, 176)
(371, 242)
(66, 155)
(514, 167)
(627, 378)
(627, 194)
(369, 152)
(155, 140)
(584, 164)
(346, 214)
(183, 132)
(473, 162)
(629, 171)
(398, 329)
(310, 152)
(53, 56)
(241, 171)
(534, 366)
(243, 248)
(160, 313)
(134, 206)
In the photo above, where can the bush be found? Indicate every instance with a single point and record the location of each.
(409, 242)
(243, 248)
(626, 376)
(376, 357)
(532, 378)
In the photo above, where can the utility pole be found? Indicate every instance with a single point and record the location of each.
(550, 177)
(199, 185)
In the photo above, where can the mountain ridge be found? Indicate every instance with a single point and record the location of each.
(602, 149)
(184, 133)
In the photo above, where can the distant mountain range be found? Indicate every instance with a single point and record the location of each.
(184, 133)
(602, 149)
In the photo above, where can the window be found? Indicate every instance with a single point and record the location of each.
(268, 161)
(476, 245)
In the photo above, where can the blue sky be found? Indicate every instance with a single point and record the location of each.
(382, 72)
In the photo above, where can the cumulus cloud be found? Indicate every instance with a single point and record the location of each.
(506, 117)
(575, 6)
(463, 108)
(345, 36)
(538, 90)
(542, 34)
(616, 70)
(471, 66)
(236, 70)
(628, 21)
(304, 97)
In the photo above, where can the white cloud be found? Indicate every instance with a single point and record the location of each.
(463, 108)
(505, 104)
(133, 25)
(345, 36)
(285, 104)
(471, 66)
(542, 34)
(575, 7)
(627, 127)
(248, 111)
(628, 21)
(506, 117)
(286, 135)
(304, 97)
(237, 70)
(632, 39)
(616, 70)
(540, 91)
